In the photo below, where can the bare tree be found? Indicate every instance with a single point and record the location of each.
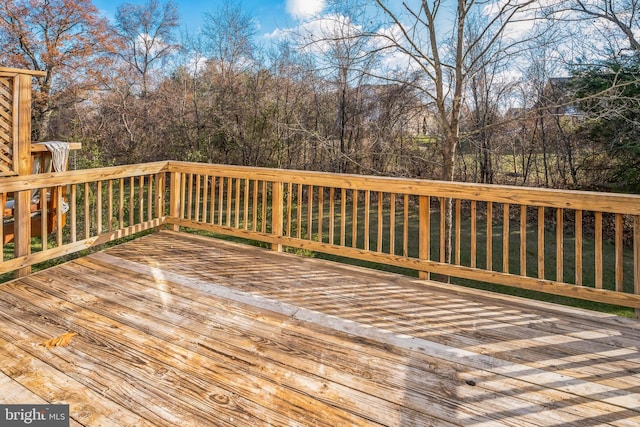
(228, 33)
(622, 16)
(345, 61)
(436, 44)
(148, 32)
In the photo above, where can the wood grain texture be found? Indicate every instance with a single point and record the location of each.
(183, 329)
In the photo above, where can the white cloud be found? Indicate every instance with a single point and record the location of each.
(304, 9)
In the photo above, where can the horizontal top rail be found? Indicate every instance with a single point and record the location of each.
(32, 182)
(544, 197)
(15, 71)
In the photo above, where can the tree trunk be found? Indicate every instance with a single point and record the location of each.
(448, 172)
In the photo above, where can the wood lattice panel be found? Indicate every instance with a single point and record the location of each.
(7, 142)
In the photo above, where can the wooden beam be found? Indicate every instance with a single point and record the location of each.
(41, 148)
(6, 71)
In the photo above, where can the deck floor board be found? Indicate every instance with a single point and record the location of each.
(177, 329)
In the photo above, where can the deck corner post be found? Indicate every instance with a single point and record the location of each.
(160, 196)
(22, 133)
(424, 243)
(174, 199)
(277, 209)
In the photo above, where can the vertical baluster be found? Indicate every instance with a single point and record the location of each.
(457, 231)
(44, 217)
(289, 206)
(99, 208)
(489, 264)
(578, 248)
(110, 205)
(474, 237)
(367, 213)
(197, 197)
(443, 255)
(505, 237)
(332, 207)
(320, 212)
(150, 179)
(59, 215)
(141, 189)
(560, 245)
(343, 217)
(354, 220)
(237, 216)
(121, 204)
(73, 213)
(405, 227)
(230, 200)
(636, 260)
(541, 242)
(87, 217)
(598, 244)
(392, 223)
(220, 199)
(255, 206)
(205, 198)
(264, 206)
(132, 186)
(523, 240)
(424, 224)
(190, 197)
(246, 204)
(619, 253)
(299, 206)
(212, 201)
(309, 212)
(380, 221)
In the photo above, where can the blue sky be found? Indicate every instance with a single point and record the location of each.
(269, 14)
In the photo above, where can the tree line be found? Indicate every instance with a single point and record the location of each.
(515, 92)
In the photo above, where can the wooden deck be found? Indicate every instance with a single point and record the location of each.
(175, 329)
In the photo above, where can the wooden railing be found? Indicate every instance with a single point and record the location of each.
(578, 244)
(93, 207)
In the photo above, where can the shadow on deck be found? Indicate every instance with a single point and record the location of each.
(176, 329)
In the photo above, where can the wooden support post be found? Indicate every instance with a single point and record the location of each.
(22, 134)
(424, 243)
(636, 260)
(160, 196)
(174, 198)
(277, 207)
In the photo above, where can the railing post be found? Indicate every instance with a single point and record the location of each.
(22, 207)
(174, 198)
(160, 195)
(277, 208)
(636, 260)
(424, 243)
